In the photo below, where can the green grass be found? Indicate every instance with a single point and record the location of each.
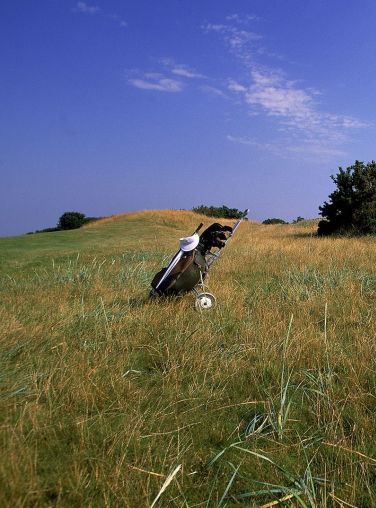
(109, 399)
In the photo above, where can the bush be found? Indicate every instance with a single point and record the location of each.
(91, 219)
(352, 205)
(298, 219)
(274, 221)
(219, 211)
(47, 230)
(71, 220)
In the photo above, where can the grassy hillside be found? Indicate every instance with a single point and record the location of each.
(109, 399)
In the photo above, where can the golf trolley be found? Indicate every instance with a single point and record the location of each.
(189, 268)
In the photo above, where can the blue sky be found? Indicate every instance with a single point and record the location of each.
(111, 106)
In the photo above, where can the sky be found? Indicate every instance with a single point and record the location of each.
(114, 106)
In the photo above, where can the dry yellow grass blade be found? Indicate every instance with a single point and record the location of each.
(279, 501)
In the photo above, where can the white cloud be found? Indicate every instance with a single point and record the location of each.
(186, 72)
(155, 81)
(234, 86)
(181, 69)
(279, 97)
(308, 150)
(118, 19)
(233, 36)
(270, 147)
(317, 150)
(212, 90)
(84, 8)
(294, 109)
(347, 122)
(242, 20)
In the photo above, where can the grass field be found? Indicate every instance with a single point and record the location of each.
(109, 399)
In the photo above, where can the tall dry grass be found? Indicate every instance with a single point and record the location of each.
(109, 399)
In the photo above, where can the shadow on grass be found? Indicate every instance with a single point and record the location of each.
(136, 303)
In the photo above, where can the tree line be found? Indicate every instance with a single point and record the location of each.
(350, 209)
(223, 211)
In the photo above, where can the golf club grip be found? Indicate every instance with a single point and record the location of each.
(199, 227)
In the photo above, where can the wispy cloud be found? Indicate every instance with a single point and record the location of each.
(242, 19)
(243, 140)
(158, 82)
(300, 126)
(246, 45)
(186, 72)
(234, 86)
(235, 37)
(295, 109)
(85, 8)
(182, 70)
(118, 19)
(175, 77)
(307, 150)
(212, 90)
(281, 98)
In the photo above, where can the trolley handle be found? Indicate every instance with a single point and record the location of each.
(198, 228)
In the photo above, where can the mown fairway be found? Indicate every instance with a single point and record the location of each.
(104, 394)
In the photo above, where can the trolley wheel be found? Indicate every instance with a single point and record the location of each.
(205, 301)
(153, 293)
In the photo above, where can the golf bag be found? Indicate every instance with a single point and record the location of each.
(189, 268)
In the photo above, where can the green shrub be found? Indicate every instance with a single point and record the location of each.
(274, 221)
(218, 211)
(71, 220)
(352, 205)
